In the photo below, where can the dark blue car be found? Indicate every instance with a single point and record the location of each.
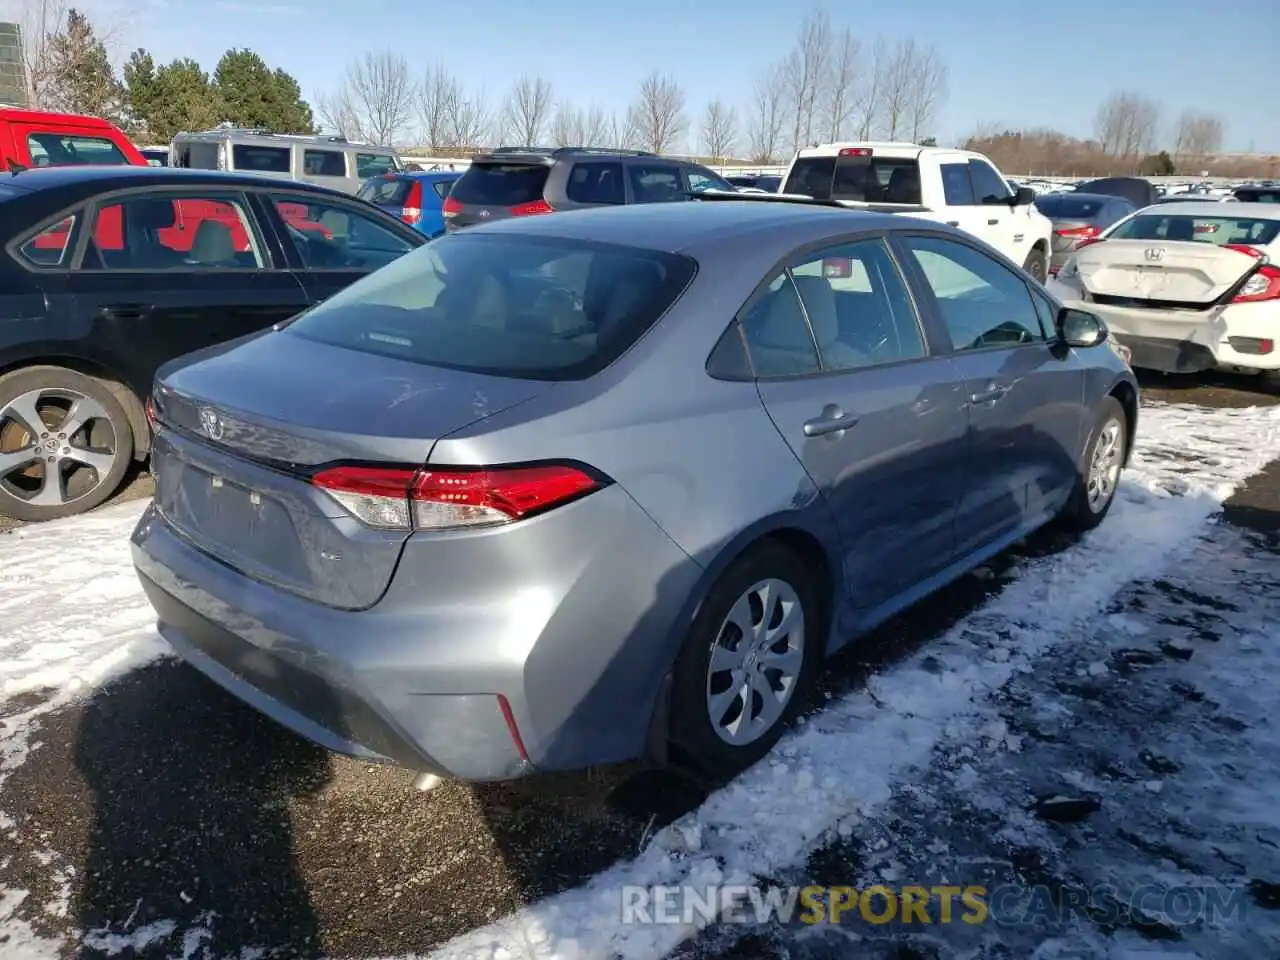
(416, 197)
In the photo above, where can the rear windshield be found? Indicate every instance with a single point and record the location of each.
(61, 150)
(861, 179)
(527, 307)
(1219, 230)
(1065, 207)
(1259, 195)
(501, 184)
(385, 191)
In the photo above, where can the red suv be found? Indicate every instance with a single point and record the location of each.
(35, 138)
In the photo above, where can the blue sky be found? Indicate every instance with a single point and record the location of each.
(1010, 62)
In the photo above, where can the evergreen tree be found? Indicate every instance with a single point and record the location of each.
(80, 75)
(253, 95)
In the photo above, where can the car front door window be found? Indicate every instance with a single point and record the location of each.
(333, 236)
(983, 304)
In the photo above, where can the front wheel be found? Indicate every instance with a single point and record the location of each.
(749, 662)
(1036, 265)
(1099, 477)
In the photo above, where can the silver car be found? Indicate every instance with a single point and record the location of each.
(562, 491)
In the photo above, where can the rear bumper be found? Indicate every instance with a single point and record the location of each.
(1242, 336)
(574, 654)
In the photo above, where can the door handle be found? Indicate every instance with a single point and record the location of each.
(991, 395)
(125, 311)
(992, 223)
(833, 420)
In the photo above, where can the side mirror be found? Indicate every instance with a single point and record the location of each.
(1079, 328)
(1024, 196)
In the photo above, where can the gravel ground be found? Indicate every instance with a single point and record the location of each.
(162, 799)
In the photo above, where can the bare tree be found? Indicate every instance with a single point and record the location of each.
(870, 102)
(764, 131)
(621, 130)
(658, 114)
(899, 86)
(1198, 134)
(567, 126)
(805, 70)
(1126, 124)
(527, 110)
(468, 120)
(719, 130)
(434, 98)
(927, 89)
(842, 84)
(375, 101)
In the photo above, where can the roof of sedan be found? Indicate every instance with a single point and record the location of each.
(687, 226)
(109, 177)
(1217, 208)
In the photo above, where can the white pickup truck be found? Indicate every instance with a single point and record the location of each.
(956, 187)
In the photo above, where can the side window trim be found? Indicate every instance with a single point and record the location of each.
(177, 192)
(927, 296)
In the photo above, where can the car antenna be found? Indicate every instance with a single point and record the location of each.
(16, 168)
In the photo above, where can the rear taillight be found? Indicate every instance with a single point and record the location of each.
(531, 209)
(1086, 231)
(1262, 286)
(151, 413)
(411, 212)
(1087, 242)
(451, 207)
(1247, 250)
(855, 152)
(452, 497)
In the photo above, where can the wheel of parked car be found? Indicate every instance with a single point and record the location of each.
(1095, 489)
(65, 443)
(1036, 265)
(748, 663)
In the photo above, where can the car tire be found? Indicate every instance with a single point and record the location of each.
(90, 462)
(774, 574)
(1100, 469)
(1037, 266)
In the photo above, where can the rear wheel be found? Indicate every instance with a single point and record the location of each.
(1036, 265)
(1100, 474)
(65, 443)
(749, 662)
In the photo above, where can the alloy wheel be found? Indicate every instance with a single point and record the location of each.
(57, 446)
(1104, 467)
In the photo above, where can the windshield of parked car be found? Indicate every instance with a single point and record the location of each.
(859, 179)
(529, 307)
(1202, 229)
(1066, 207)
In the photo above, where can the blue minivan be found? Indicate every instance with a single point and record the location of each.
(416, 197)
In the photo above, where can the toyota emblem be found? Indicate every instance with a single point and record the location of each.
(1154, 254)
(485, 214)
(211, 423)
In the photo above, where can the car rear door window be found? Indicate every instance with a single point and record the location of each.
(858, 306)
(655, 183)
(983, 305)
(777, 333)
(596, 183)
(385, 191)
(252, 158)
(700, 178)
(442, 187)
(324, 163)
(957, 187)
(173, 232)
(334, 236)
(375, 165)
(62, 150)
(520, 306)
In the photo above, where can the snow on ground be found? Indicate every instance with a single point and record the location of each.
(840, 768)
(75, 618)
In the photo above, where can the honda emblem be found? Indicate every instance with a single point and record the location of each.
(1154, 254)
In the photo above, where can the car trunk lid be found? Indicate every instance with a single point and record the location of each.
(1163, 271)
(245, 430)
(494, 189)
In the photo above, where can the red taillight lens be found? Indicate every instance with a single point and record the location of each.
(855, 152)
(1262, 286)
(411, 212)
(452, 497)
(1087, 242)
(451, 207)
(1247, 250)
(151, 412)
(531, 209)
(1089, 231)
